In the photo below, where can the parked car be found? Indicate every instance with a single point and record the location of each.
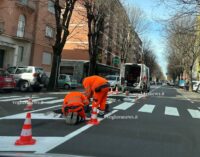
(66, 81)
(113, 80)
(7, 82)
(27, 77)
(152, 83)
(198, 89)
(195, 85)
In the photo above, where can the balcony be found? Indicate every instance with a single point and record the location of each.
(26, 36)
(29, 4)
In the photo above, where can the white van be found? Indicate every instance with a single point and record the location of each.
(135, 77)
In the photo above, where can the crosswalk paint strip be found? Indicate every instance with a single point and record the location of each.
(5, 97)
(194, 113)
(15, 99)
(123, 106)
(171, 111)
(53, 101)
(39, 116)
(147, 108)
(39, 99)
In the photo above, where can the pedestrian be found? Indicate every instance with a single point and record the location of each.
(73, 107)
(98, 88)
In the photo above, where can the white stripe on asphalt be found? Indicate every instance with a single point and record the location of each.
(39, 99)
(123, 106)
(5, 97)
(194, 113)
(148, 108)
(42, 109)
(15, 99)
(8, 143)
(53, 101)
(66, 138)
(171, 111)
(39, 116)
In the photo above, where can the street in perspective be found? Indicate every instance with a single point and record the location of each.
(105, 78)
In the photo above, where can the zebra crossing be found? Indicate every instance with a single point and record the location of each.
(144, 108)
(169, 111)
(22, 100)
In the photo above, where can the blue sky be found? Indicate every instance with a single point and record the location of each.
(154, 13)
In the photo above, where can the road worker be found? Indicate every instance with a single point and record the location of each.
(98, 87)
(73, 107)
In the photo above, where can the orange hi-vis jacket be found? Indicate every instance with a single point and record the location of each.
(91, 83)
(74, 99)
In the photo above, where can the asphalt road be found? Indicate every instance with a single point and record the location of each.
(163, 123)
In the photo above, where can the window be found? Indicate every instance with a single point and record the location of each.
(21, 26)
(23, 2)
(51, 7)
(21, 53)
(62, 77)
(46, 58)
(49, 32)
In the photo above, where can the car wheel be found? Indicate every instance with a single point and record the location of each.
(24, 86)
(66, 86)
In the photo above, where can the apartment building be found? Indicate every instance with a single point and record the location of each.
(113, 40)
(27, 33)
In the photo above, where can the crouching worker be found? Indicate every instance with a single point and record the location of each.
(97, 87)
(73, 107)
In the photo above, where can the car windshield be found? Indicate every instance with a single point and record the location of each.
(21, 70)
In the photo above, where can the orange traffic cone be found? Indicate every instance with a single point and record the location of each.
(111, 91)
(94, 119)
(116, 90)
(26, 134)
(127, 93)
(29, 105)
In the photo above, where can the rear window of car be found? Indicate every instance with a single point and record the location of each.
(24, 70)
(111, 78)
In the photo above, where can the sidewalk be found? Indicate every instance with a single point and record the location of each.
(190, 95)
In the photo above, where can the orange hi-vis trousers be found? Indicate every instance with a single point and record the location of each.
(99, 99)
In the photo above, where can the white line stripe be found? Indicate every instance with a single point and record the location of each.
(22, 98)
(148, 108)
(70, 136)
(123, 106)
(42, 109)
(9, 97)
(39, 99)
(171, 111)
(194, 113)
(39, 116)
(53, 101)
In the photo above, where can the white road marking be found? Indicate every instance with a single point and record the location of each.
(171, 111)
(194, 113)
(39, 99)
(45, 149)
(5, 97)
(123, 106)
(39, 116)
(147, 108)
(42, 109)
(15, 99)
(41, 142)
(53, 101)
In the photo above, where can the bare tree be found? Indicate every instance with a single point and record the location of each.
(62, 18)
(96, 12)
(184, 43)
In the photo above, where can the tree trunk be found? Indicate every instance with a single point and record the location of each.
(190, 85)
(54, 72)
(92, 66)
